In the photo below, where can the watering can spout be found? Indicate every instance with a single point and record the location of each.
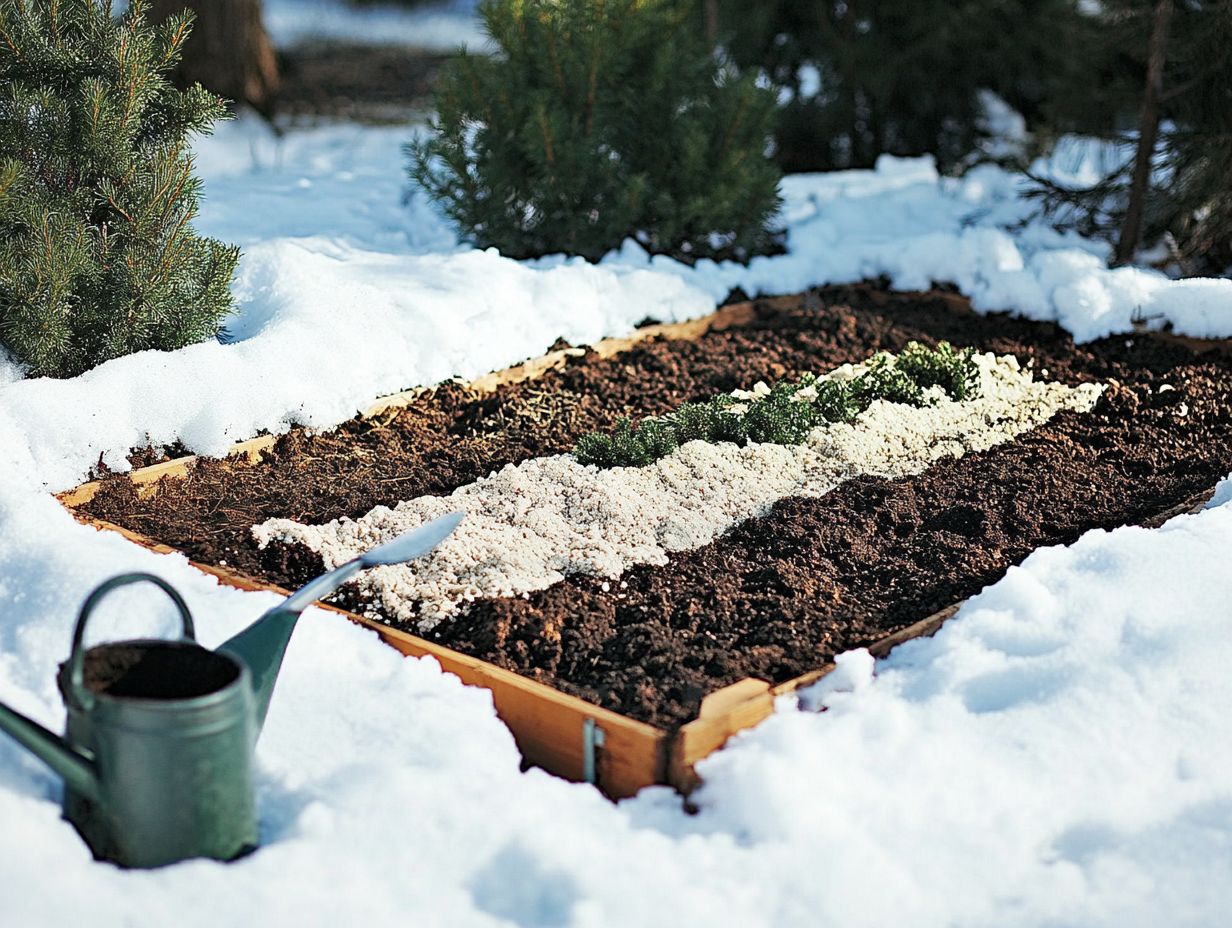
(262, 645)
(75, 768)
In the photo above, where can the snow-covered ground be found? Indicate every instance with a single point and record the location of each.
(1057, 755)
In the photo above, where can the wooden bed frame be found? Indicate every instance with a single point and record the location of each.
(563, 734)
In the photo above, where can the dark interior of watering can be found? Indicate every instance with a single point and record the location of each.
(157, 670)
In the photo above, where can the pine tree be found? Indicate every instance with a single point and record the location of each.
(1166, 98)
(595, 121)
(901, 77)
(98, 257)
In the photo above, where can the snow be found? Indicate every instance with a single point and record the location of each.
(1052, 756)
(1004, 127)
(810, 80)
(1057, 754)
(1223, 494)
(1077, 162)
(439, 26)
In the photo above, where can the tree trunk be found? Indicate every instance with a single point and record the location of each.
(1148, 133)
(712, 20)
(229, 51)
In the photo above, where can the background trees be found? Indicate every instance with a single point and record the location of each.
(867, 77)
(1165, 94)
(98, 256)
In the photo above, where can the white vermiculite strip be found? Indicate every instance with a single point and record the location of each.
(530, 525)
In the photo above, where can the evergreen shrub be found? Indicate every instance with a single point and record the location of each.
(944, 366)
(596, 121)
(98, 256)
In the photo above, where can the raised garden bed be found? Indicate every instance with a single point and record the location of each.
(673, 657)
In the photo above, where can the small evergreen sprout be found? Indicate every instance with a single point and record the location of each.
(884, 380)
(627, 447)
(786, 413)
(597, 449)
(943, 366)
(655, 439)
(836, 401)
(695, 421)
(779, 418)
(729, 422)
(98, 256)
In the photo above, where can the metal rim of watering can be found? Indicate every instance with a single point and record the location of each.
(80, 695)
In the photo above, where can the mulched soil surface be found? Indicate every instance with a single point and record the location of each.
(778, 595)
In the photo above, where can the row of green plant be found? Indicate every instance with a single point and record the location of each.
(785, 413)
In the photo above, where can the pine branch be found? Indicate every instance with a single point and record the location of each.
(97, 251)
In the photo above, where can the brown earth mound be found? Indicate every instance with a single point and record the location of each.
(781, 595)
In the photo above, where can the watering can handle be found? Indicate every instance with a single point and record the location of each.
(76, 665)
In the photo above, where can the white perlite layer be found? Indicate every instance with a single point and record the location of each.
(530, 525)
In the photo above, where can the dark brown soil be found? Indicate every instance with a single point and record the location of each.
(781, 594)
(157, 670)
(452, 436)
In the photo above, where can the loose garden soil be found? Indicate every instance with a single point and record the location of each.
(781, 593)
(156, 670)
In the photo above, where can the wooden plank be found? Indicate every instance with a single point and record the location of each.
(546, 724)
(720, 702)
(730, 715)
(731, 709)
(1194, 504)
(146, 477)
(725, 318)
(1200, 346)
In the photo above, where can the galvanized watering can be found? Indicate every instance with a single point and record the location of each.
(157, 759)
